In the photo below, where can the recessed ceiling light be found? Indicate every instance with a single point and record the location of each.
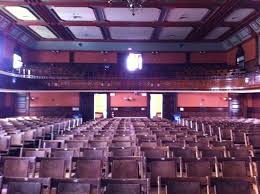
(129, 49)
(43, 31)
(21, 13)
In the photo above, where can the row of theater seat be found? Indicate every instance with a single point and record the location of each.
(150, 153)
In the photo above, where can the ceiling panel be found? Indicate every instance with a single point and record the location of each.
(131, 33)
(43, 32)
(217, 32)
(84, 32)
(75, 13)
(187, 14)
(124, 14)
(239, 14)
(175, 33)
(21, 13)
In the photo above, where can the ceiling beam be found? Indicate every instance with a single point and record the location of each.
(162, 18)
(241, 25)
(53, 22)
(151, 3)
(114, 23)
(215, 19)
(100, 15)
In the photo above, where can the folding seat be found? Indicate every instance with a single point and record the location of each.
(155, 152)
(200, 167)
(52, 144)
(126, 167)
(125, 186)
(123, 151)
(219, 152)
(17, 139)
(5, 142)
(27, 185)
(18, 166)
(64, 137)
(122, 137)
(94, 153)
(98, 144)
(83, 137)
(238, 137)
(225, 134)
(235, 167)
(164, 167)
(226, 143)
(177, 143)
(66, 153)
(52, 167)
(35, 152)
(76, 186)
(240, 152)
(29, 135)
(184, 152)
(102, 137)
(253, 139)
(87, 168)
(76, 143)
(233, 185)
(178, 185)
(116, 143)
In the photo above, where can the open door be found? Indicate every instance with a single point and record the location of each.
(100, 106)
(156, 105)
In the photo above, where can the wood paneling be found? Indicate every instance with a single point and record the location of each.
(129, 112)
(48, 57)
(118, 100)
(250, 49)
(164, 58)
(202, 100)
(95, 57)
(54, 99)
(205, 112)
(52, 111)
(208, 57)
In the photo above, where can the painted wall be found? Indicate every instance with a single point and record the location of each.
(201, 100)
(95, 57)
(208, 57)
(164, 58)
(48, 57)
(54, 99)
(250, 49)
(118, 100)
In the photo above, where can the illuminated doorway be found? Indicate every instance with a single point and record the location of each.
(156, 105)
(100, 106)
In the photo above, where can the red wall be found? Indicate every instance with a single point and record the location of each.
(119, 101)
(54, 99)
(95, 57)
(250, 49)
(164, 58)
(49, 57)
(202, 100)
(208, 57)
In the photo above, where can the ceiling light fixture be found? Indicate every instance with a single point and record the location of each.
(133, 5)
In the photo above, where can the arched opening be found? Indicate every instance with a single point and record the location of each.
(240, 58)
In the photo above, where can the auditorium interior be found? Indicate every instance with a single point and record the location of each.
(129, 96)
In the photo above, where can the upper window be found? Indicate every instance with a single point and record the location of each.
(17, 61)
(240, 57)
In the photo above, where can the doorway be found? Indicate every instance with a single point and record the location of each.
(156, 105)
(100, 106)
